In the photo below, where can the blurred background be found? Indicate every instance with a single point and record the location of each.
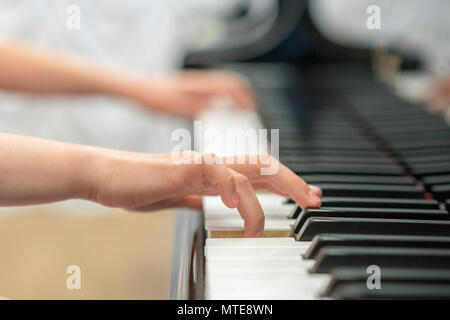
(128, 256)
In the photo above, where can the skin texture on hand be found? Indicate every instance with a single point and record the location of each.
(41, 171)
(159, 183)
(438, 95)
(190, 92)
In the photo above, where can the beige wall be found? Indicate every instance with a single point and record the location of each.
(121, 255)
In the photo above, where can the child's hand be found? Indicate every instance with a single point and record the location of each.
(148, 182)
(41, 171)
(438, 95)
(190, 92)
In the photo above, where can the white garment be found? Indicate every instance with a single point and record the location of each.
(411, 25)
(138, 35)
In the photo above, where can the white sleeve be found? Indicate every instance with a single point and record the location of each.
(416, 26)
(345, 21)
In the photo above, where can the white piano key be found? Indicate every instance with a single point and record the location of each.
(244, 270)
(260, 295)
(265, 199)
(270, 281)
(282, 213)
(269, 274)
(276, 251)
(272, 205)
(258, 274)
(238, 224)
(300, 288)
(272, 288)
(237, 242)
(236, 215)
(242, 263)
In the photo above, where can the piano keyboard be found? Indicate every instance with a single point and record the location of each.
(384, 167)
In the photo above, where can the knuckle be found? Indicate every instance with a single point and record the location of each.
(267, 158)
(208, 156)
(260, 219)
(209, 159)
(191, 154)
(229, 178)
(241, 179)
(304, 189)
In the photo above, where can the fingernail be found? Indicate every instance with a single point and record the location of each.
(235, 200)
(314, 197)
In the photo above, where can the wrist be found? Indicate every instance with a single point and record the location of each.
(92, 167)
(130, 87)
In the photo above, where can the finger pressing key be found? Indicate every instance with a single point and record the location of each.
(236, 191)
(249, 207)
(219, 177)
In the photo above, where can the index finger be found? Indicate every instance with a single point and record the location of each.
(282, 179)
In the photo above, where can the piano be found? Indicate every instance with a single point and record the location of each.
(384, 166)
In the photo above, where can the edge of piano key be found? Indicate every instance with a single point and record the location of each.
(240, 233)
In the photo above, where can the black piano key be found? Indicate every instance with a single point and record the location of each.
(318, 225)
(344, 276)
(324, 136)
(418, 136)
(355, 179)
(425, 152)
(329, 152)
(429, 181)
(361, 202)
(411, 129)
(430, 169)
(356, 202)
(376, 213)
(441, 158)
(324, 163)
(335, 160)
(393, 291)
(324, 145)
(313, 131)
(331, 257)
(367, 190)
(345, 170)
(380, 116)
(447, 204)
(350, 169)
(402, 128)
(364, 240)
(414, 144)
(441, 192)
(390, 121)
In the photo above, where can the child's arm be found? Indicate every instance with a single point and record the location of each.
(36, 171)
(27, 69)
